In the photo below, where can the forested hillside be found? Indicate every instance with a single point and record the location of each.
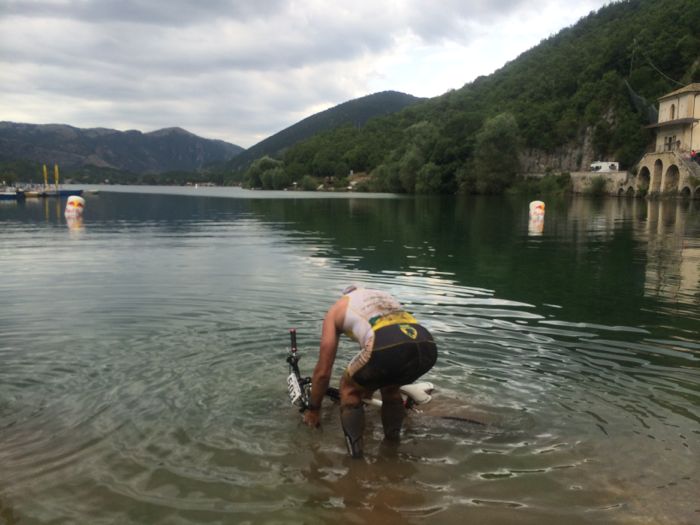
(564, 100)
(98, 153)
(352, 113)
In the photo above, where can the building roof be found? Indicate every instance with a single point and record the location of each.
(674, 122)
(690, 88)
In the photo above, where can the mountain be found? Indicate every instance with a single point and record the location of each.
(555, 108)
(170, 149)
(354, 112)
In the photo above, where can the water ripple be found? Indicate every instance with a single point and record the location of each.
(143, 381)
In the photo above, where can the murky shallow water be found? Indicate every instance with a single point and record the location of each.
(142, 373)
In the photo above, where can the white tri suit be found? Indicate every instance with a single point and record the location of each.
(395, 349)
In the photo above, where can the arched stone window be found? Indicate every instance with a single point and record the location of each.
(643, 179)
(670, 181)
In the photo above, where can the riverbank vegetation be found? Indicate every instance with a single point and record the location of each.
(550, 184)
(26, 172)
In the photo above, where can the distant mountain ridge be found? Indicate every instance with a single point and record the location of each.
(163, 150)
(354, 112)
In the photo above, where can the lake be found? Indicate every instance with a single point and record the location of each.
(143, 373)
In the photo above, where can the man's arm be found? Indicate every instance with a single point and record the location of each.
(330, 336)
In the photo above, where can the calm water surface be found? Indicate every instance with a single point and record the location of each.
(142, 372)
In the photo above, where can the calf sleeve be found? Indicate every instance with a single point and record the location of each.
(392, 418)
(353, 422)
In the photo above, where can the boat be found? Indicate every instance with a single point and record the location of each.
(34, 194)
(11, 195)
(58, 191)
(62, 193)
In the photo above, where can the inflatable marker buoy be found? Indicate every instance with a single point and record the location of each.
(536, 208)
(535, 225)
(74, 206)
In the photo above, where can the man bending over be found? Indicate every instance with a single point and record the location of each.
(394, 350)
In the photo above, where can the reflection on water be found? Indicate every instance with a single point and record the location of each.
(666, 230)
(673, 272)
(75, 224)
(142, 360)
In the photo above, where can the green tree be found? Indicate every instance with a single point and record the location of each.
(496, 154)
(323, 164)
(309, 183)
(408, 168)
(280, 179)
(386, 178)
(256, 175)
(429, 179)
(9, 178)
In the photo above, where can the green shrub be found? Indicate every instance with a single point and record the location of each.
(547, 185)
(362, 186)
(309, 183)
(597, 186)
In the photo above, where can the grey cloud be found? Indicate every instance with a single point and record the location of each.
(173, 12)
(237, 107)
(240, 69)
(197, 49)
(457, 19)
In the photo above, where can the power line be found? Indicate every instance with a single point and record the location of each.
(662, 73)
(634, 49)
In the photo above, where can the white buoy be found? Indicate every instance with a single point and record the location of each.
(536, 208)
(535, 225)
(74, 206)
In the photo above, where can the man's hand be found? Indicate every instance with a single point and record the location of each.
(312, 418)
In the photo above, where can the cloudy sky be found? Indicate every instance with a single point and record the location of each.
(242, 70)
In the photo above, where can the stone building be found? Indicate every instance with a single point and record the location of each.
(669, 169)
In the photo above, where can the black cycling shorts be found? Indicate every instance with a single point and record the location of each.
(401, 354)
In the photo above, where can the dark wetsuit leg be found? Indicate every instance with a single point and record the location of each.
(393, 413)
